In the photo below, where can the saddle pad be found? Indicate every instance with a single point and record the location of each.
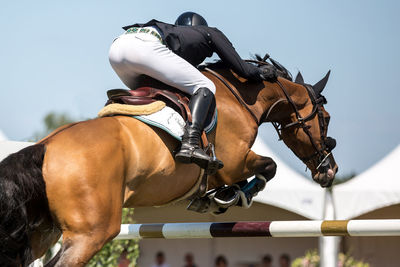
(122, 109)
(171, 121)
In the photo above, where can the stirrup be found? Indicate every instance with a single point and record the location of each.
(214, 164)
(227, 197)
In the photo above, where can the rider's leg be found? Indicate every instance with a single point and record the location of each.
(131, 55)
(191, 152)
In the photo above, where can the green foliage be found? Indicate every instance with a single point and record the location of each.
(111, 252)
(52, 121)
(348, 261)
(312, 259)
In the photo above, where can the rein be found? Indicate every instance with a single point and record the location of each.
(317, 102)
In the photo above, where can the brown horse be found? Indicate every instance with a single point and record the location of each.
(76, 181)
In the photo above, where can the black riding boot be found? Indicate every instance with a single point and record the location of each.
(191, 151)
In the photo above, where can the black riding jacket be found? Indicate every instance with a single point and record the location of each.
(195, 43)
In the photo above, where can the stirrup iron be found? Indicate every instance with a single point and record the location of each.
(214, 164)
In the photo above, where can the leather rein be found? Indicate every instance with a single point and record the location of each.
(317, 101)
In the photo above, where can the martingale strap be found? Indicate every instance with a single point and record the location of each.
(235, 93)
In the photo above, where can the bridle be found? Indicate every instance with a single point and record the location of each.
(317, 101)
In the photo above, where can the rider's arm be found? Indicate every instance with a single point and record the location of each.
(225, 50)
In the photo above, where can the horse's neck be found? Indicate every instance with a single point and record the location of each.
(277, 107)
(261, 98)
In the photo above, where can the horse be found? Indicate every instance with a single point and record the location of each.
(76, 181)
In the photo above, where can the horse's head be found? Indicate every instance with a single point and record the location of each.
(305, 130)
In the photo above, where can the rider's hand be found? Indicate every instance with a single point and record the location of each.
(268, 73)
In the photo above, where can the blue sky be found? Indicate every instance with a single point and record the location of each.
(54, 57)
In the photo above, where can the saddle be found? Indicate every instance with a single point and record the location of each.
(147, 95)
(149, 90)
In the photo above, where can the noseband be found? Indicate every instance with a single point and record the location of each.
(327, 143)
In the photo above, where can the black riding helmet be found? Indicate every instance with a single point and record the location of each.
(190, 19)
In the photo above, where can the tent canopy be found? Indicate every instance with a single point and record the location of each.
(377, 187)
(290, 190)
(2, 136)
(9, 147)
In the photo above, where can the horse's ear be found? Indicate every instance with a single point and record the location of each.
(319, 86)
(299, 78)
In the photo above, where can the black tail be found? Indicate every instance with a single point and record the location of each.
(23, 203)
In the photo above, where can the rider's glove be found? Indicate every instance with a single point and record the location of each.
(268, 73)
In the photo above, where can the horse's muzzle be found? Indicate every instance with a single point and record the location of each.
(326, 173)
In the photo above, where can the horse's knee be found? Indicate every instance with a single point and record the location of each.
(269, 170)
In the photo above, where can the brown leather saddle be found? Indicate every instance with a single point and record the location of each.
(149, 90)
(146, 95)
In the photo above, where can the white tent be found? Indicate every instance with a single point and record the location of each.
(375, 188)
(289, 190)
(2, 136)
(9, 147)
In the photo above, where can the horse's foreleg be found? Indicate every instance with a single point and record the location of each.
(264, 168)
(242, 192)
(256, 164)
(253, 164)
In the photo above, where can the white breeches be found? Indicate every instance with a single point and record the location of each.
(134, 54)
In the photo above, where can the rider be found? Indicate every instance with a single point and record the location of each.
(170, 54)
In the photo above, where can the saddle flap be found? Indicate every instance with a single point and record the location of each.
(112, 93)
(129, 100)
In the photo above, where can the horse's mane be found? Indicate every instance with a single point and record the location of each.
(218, 64)
(281, 70)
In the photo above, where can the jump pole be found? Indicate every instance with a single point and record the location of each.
(261, 229)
